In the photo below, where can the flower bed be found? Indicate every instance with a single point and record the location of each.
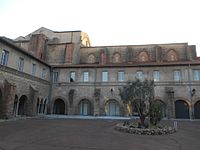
(146, 131)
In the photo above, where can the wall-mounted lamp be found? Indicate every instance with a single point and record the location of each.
(112, 91)
(193, 92)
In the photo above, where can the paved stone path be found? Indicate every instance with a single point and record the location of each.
(79, 134)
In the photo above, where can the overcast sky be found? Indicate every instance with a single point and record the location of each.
(107, 22)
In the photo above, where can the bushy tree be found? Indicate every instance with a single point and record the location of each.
(141, 93)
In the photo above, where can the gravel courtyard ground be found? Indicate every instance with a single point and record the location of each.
(77, 134)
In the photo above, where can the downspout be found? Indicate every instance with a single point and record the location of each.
(50, 91)
(190, 92)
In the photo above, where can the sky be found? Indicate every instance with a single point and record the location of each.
(107, 22)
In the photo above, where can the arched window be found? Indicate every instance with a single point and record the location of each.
(85, 107)
(116, 58)
(143, 56)
(91, 58)
(172, 56)
(112, 108)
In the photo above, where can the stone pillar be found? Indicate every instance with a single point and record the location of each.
(8, 99)
(169, 96)
(97, 93)
(32, 102)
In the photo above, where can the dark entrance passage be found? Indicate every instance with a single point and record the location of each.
(197, 110)
(22, 109)
(85, 107)
(59, 107)
(181, 109)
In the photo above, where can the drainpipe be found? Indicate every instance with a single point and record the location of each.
(190, 93)
(50, 91)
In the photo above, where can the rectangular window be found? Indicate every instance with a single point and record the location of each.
(139, 75)
(4, 57)
(196, 75)
(55, 77)
(104, 76)
(21, 64)
(156, 75)
(120, 76)
(33, 69)
(85, 76)
(177, 75)
(72, 76)
(43, 75)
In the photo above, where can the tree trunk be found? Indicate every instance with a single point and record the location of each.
(142, 120)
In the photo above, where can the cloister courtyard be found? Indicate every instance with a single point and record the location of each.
(91, 134)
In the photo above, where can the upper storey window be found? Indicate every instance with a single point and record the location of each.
(21, 64)
(43, 74)
(116, 58)
(86, 76)
(33, 69)
(55, 76)
(4, 57)
(172, 56)
(121, 76)
(143, 56)
(72, 76)
(91, 58)
(177, 75)
(139, 75)
(196, 75)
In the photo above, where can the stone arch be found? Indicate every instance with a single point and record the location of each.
(172, 55)
(85, 107)
(112, 108)
(162, 107)
(23, 105)
(15, 105)
(116, 57)
(91, 58)
(59, 106)
(143, 56)
(197, 110)
(181, 109)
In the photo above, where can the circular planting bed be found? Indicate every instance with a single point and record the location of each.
(145, 131)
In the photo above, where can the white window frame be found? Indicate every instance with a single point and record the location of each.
(156, 75)
(196, 74)
(20, 64)
(140, 75)
(104, 76)
(33, 70)
(85, 76)
(177, 75)
(72, 76)
(4, 57)
(43, 74)
(55, 76)
(121, 76)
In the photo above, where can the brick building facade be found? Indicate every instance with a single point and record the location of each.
(83, 80)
